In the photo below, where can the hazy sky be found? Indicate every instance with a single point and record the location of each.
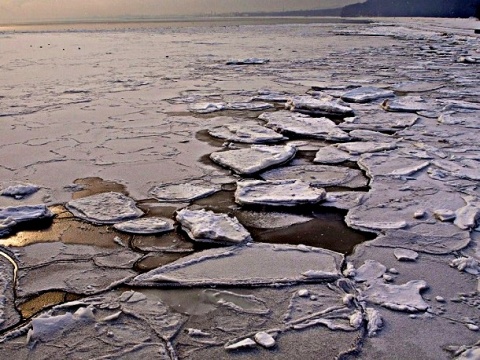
(32, 10)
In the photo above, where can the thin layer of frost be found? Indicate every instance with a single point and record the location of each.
(365, 94)
(206, 226)
(245, 133)
(105, 208)
(254, 159)
(318, 175)
(255, 264)
(314, 106)
(181, 192)
(277, 193)
(300, 124)
(152, 225)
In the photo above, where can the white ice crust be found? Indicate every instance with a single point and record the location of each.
(277, 193)
(300, 124)
(150, 225)
(105, 208)
(181, 192)
(206, 226)
(254, 159)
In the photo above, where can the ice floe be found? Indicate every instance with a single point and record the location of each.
(360, 147)
(151, 225)
(318, 175)
(13, 215)
(254, 264)
(246, 133)
(318, 106)
(254, 159)
(19, 191)
(343, 199)
(300, 124)
(332, 155)
(182, 192)
(365, 94)
(206, 226)
(277, 193)
(270, 219)
(404, 297)
(206, 108)
(408, 104)
(405, 255)
(105, 208)
(8, 313)
(248, 61)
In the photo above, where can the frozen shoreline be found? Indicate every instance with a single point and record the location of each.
(123, 107)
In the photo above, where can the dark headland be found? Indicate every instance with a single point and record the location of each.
(424, 8)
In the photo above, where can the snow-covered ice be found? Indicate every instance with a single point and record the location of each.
(105, 208)
(181, 192)
(277, 193)
(206, 226)
(254, 159)
(150, 225)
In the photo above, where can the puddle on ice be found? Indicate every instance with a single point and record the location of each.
(326, 230)
(36, 304)
(95, 185)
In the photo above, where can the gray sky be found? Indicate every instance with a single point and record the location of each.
(37, 10)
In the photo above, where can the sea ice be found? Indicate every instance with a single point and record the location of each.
(466, 217)
(206, 108)
(343, 199)
(408, 104)
(404, 297)
(19, 191)
(252, 264)
(206, 226)
(246, 343)
(300, 124)
(370, 271)
(277, 193)
(365, 94)
(314, 106)
(435, 239)
(467, 264)
(265, 339)
(444, 214)
(151, 225)
(248, 61)
(405, 255)
(13, 215)
(270, 219)
(248, 106)
(8, 313)
(105, 208)
(181, 192)
(318, 175)
(251, 160)
(360, 147)
(374, 321)
(246, 133)
(332, 155)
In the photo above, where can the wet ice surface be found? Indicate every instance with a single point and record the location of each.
(408, 121)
